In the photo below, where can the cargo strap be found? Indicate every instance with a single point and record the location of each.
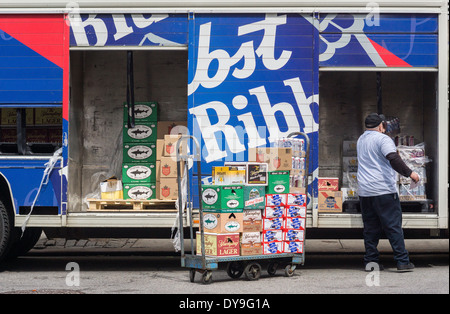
(45, 178)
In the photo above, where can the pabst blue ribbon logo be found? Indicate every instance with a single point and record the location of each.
(247, 79)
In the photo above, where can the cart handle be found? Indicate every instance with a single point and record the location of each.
(199, 177)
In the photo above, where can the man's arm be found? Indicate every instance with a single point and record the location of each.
(399, 165)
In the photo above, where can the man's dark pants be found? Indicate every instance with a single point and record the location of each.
(383, 213)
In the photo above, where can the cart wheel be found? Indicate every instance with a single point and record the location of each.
(235, 269)
(207, 277)
(272, 268)
(289, 270)
(252, 271)
(192, 274)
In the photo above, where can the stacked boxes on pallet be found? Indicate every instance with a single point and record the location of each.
(139, 152)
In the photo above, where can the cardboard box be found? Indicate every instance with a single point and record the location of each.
(111, 189)
(251, 249)
(228, 175)
(273, 224)
(252, 220)
(295, 211)
(274, 247)
(159, 149)
(170, 145)
(223, 197)
(141, 133)
(296, 223)
(293, 235)
(272, 235)
(143, 112)
(274, 212)
(139, 153)
(168, 167)
(139, 173)
(298, 199)
(330, 201)
(223, 222)
(280, 158)
(277, 158)
(251, 243)
(254, 197)
(166, 127)
(168, 189)
(328, 184)
(257, 174)
(276, 199)
(292, 247)
(139, 191)
(217, 244)
(278, 182)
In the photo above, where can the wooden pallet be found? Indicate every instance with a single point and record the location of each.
(131, 205)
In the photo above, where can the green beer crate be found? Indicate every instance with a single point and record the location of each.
(141, 133)
(139, 153)
(139, 191)
(278, 182)
(143, 112)
(223, 197)
(139, 173)
(254, 197)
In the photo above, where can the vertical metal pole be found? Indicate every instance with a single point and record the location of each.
(180, 209)
(379, 94)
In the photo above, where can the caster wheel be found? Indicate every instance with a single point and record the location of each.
(272, 268)
(252, 271)
(207, 277)
(235, 269)
(289, 270)
(192, 274)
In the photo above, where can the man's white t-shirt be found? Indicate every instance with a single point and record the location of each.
(375, 174)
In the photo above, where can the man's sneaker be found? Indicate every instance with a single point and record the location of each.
(405, 267)
(373, 266)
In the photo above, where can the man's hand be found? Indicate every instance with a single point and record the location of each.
(415, 177)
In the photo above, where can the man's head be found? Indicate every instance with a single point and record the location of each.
(375, 121)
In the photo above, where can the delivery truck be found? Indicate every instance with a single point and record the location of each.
(237, 76)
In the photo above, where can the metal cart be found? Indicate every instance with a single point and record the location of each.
(237, 265)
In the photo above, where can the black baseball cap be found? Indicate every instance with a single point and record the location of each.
(373, 120)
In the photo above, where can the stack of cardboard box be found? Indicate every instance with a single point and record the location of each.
(166, 162)
(237, 203)
(139, 152)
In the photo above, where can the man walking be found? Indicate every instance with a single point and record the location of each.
(380, 206)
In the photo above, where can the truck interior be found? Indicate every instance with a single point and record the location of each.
(347, 97)
(98, 91)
